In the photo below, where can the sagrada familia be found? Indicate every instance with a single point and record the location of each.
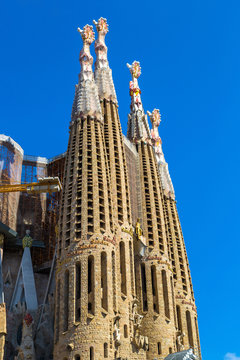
(100, 270)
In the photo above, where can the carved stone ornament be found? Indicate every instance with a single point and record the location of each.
(26, 350)
(139, 340)
(116, 332)
(180, 336)
(101, 25)
(87, 34)
(136, 69)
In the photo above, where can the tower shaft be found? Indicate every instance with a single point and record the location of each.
(86, 265)
(116, 158)
(153, 271)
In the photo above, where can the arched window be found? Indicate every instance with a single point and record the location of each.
(105, 350)
(165, 294)
(78, 292)
(170, 350)
(189, 328)
(66, 300)
(159, 348)
(154, 289)
(77, 357)
(104, 284)
(123, 268)
(144, 287)
(91, 299)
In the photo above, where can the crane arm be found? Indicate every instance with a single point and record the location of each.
(44, 185)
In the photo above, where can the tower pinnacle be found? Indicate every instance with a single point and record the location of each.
(103, 73)
(166, 181)
(155, 118)
(86, 101)
(138, 128)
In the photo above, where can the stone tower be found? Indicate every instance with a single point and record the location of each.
(124, 289)
(153, 268)
(185, 313)
(86, 244)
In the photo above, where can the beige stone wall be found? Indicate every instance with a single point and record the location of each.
(3, 329)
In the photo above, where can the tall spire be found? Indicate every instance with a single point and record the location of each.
(103, 73)
(138, 128)
(166, 181)
(86, 100)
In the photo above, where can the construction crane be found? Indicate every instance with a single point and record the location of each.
(44, 185)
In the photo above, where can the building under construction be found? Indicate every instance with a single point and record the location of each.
(98, 270)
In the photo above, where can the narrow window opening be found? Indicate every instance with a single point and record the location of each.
(125, 331)
(165, 294)
(113, 280)
(159, 348)
(123, 268)
(91, 284)
(66, 300)
(105, 350)
(179, 319)
(57, 312)
(170, 350)
(78, 292)
(144, 288)
(154, 289)
(104, 290)
(189, 328)
(91, 353)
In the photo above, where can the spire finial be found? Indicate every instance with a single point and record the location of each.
(155, 118)
(138, 128)
(86, 100)
(101, 25)
(135, 69)
(103, 73)
(87, 34)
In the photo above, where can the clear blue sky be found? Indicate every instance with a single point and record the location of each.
(189, 53)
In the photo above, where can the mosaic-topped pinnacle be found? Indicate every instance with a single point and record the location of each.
(135, 69)
(103, 73)
(138, 128)
(87, 34)
(155, 117)
(86, 100)
(135, 91)
(101, 25)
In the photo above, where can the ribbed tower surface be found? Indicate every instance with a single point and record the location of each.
(125, 289)
(86, 245)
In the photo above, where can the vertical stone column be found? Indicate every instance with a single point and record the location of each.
(3, 329)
